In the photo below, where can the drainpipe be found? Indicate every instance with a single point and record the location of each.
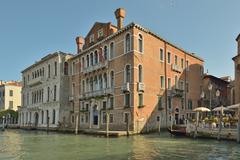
(166, 91)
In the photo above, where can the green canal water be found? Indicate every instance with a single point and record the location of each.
(38, 145)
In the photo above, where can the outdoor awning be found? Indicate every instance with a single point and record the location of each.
(235, 106)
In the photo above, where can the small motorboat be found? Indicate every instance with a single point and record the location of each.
(181, 131)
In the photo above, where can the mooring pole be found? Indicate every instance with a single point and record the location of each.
(76, 127)
(127, 124)
(238, 127)
(159, 124)
(107, 124)
(47, 123)
(3, 127)
(220, 125)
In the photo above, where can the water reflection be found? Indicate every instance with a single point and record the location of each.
(19, 145)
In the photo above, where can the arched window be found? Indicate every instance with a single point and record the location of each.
(100, 82)
(87, 60)
(112, 79)
(53, 116)
(55, 68)
(127, 43)
(111, 50)
(87, 85)
(140, 73)
(49, 70)
(105, 51)
(83, 86)
(140, 43)
(127, 73)
(55, 93)
(83, 63)
(91, 59)
(47, 117)
(91, 84)
(65, 68)
(96, 57)
(105, 80)
(42, 115)
(95, 83)
(48, 94)
(176, 82)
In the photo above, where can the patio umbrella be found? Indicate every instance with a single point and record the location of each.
(221, 108)
(235, 106)
(201, 109)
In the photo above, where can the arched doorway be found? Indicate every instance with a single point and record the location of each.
(177, 116)
(95, 116)
(36, 117)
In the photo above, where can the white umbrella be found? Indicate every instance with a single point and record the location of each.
(235, 106)
(201, 109)
(221, 108)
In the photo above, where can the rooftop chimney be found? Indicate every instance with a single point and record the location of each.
(120, 15)
(238, 43)
(80, 43)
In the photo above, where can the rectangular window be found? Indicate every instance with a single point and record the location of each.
(11, 93)
(169, 83)
(187, 65)
(111, 102)
(110, 118)
(10, 104)
(127, 99)
(160, 103)
(190, 104)
(176, 60)
(100, 33)
(104, 117)
(86, 118)
(161, 55)
(104, 105)
(169, 57)
(91, 38)
(162, 82)
(55, 68)
(140, 99)
(182, 63)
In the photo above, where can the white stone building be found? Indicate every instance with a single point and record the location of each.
(45, 93)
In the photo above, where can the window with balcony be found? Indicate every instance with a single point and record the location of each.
(112, 79)
(176, 60)
(96, 57)
(161, 55)
(91, 59)
(88, 61)
(105, 52)
(140, 99)
(140, 73)
(127, 43)
(162, 82)
(111, 50)
(127, 74)
(140, 43)
(127, 99)
(55, 93)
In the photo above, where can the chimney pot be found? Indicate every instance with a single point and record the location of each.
(80, 43)
(120, 15)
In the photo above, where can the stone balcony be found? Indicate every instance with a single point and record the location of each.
(95, 67)
(125, 87)
(36, 81)
(176, 68)
(97, 93)
(140, 87)
(176, 92)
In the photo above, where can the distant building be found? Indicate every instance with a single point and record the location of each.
(10, 95)
(236, 60)
(135, 76)
(45, 93)
(220, 93)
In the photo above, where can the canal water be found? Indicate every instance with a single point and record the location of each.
(38, 145)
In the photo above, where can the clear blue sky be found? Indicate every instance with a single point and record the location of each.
(30, 29)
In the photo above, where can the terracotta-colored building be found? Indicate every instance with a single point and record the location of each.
(133, 75)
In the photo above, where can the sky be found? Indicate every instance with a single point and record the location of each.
(31, 29)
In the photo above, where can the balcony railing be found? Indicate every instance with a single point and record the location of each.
(125, 87)
(140, 87)
(95, 67)
(36, 81)
(176, 68)
(97, 93)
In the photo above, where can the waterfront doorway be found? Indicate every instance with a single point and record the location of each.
(95, 117)
(177, 116)
(36, 116)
